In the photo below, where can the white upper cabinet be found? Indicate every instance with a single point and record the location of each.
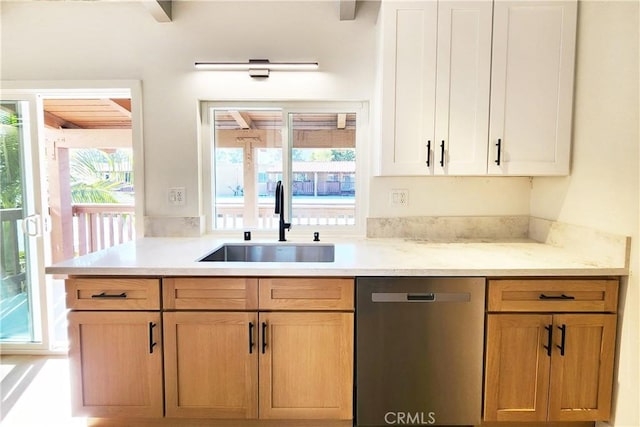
(408, 87)
(459, 76)
(462, 87)
(532, 87)
(435, 87)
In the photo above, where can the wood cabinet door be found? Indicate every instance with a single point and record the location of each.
(116, 364)
(462, 87)
(532, 87)
(517, 367)
(306, 365)
(211, 364)
(582, 367)
(409, 34)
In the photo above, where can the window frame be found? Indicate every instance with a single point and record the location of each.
(207, 176)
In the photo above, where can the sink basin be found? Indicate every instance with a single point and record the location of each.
(274, 252)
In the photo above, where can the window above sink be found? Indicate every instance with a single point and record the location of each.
(314, 148)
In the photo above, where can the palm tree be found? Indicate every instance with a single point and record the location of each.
(95, 176)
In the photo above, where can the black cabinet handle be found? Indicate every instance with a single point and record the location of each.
(549, 345)
(563, 328)
(264, 337)
(556, 297)
(151, 343)
(251, 343)
(442, 153)
(499, 145)
(106, 295)
(428, 153)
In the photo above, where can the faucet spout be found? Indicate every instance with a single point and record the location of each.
(279, 209)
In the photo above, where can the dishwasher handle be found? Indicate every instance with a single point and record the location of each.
(417, 297)
(421, 297)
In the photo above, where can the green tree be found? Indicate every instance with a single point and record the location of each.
(343, 155)
(10, 170)
(94, 177)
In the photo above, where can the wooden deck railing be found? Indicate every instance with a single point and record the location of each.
(99, 226)
(230, 216)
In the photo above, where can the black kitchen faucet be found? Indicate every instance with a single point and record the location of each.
(280, 210)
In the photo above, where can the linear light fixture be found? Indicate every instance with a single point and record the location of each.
(257, 67)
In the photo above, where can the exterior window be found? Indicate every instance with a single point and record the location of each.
(323, 168)
(313, 153)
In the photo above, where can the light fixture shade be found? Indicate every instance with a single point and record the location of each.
(256, 64)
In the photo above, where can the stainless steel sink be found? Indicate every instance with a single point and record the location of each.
(271, 252)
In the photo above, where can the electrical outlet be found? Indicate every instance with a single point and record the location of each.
(399, 197)
(177, 196)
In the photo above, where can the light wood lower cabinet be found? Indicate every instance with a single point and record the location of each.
(210, 369)
(549, 366)
(116, 364)
(258, 364)
(306, 368)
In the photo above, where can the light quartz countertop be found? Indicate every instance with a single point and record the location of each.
(353, 257)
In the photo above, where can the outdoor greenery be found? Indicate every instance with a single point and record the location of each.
(10, 170)
(12, 261)
(100, 177)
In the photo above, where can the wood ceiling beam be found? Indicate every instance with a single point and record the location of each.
(262, 138)
(341, 121)
(111, 103)
(347, 10)
(91, 138)
(243, 119)
(159, 9)
(56, 122)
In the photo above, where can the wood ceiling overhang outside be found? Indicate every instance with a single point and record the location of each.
(262, 128)
(233, 127)
(100, 113)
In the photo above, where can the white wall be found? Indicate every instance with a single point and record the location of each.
(120, 40)
(603, 190)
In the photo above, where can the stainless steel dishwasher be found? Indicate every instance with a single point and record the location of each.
(419, 350)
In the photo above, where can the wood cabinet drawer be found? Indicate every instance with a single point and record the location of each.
(112, 293)
(553, 295)
(303, 293)
(202, 293)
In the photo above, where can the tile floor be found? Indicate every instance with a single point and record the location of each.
(35, 392)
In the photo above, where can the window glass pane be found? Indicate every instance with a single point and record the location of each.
(16, 290)
(247, 163)
(323, 168)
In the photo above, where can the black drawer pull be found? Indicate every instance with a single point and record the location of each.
(428, 153)
(113, 296)
(556, 297)
(499, 146)
(442, 154)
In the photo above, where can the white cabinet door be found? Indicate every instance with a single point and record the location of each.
(462, 87)
(408, 86)
(532, 87)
